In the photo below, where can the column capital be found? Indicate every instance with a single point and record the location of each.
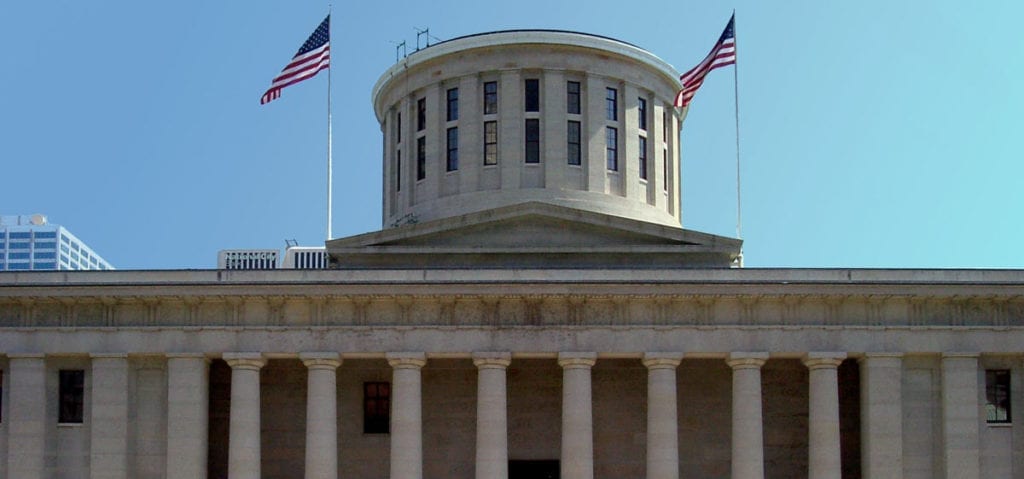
(823, 360)
(406, 360)
(492, 360)
(321, 360)
(747, 360)
(253, 361)
(577, 360)
(662, 360)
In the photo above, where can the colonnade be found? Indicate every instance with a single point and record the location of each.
(188, 398)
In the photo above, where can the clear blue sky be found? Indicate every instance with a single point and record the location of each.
(873, 134)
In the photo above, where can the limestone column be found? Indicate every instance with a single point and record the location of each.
(26, 421)
(747, 421)
(108, 456)
(881, 411)
(823, 415)
(244, 432)
(407, 415)
(321, 415)
(492, 415)
(577, 460)
(188, 397)
(960, 415)
(662, 420)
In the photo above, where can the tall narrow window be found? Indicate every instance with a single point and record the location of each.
(421, 158)
(643, 157)
(641, 111)
(664, 125)
(490, 143)
(572, 98)
(612, 148)
(421, 114)
(611, 104)
(532, 98)
(376, 408)
(398, 127)
(72, 396)
(490, 97)
(533, 140)
(453, 149)
(664, 170)
(398, 170)
(573, 142)
(1, 388)
(997, 396)
(453, 104)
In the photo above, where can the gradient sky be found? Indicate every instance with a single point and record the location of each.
(873, 133)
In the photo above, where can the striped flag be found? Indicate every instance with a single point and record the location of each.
(724, 53)
(313, 56)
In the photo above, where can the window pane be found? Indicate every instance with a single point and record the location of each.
(72, 394)
(490, 143)
(643, 158)
(421, 114)
(490, 98)
(572, 100)
(453, 104)
(997, 396)
(532, 99)
(642, 111)
(421, 158)
(573, 135)
(398, 170)
(612, 104)
(533, 141)
(453, 149)
(376, 408)
(612, 148)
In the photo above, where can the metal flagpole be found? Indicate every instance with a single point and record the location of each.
(736, 92)
(330, 156)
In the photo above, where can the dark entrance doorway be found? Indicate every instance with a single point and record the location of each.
(533, 469)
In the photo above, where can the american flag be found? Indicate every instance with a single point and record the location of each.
(723, 53)
(313, 56)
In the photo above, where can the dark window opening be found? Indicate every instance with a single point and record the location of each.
(398, 170)
(376, 408)
(398, 127)
(421, 114)
(643, 158)
(453, 104)
(611, 104)
(72, 396)
(572, 97)
(533, 141)
(490, 143)
(421, 158)
(997, 396)
(612, 148)
(573, 142)
(490, 98)
(453, 149)
(641, 110)
(532, 99)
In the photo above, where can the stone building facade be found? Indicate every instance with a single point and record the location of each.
(516, 320)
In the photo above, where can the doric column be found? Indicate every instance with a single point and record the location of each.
(321, 415)
(881, 411)
(407, 415)
(108, 457)
(188, 398)
(823, 415)
(747, 423)
(960, 416)
(577, 461)
(244, 435)
(26, 424)
(492, 415)
(662, 421)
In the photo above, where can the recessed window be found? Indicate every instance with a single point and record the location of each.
(421, 158)
(376, 408)
(612, 149)
(664, 125)
(572, 98)
(533, 140)
(421, 114)
(643, 157)
(46, 235)
(611, 104)
(490, 98)
(997, 396)
(664, 170)
(573, 142)
(453, 149)
(1, 395)
(398, 127)
(72, 396)
(490, 143)
(398, 170)
(453, 104)
(641, 110)
(532, 97)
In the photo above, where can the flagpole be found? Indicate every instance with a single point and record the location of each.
(330, 155)
(736, 96)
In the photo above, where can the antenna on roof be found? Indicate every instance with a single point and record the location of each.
(422, 33)
(400, 46)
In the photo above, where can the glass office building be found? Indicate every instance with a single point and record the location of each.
(29, 242)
